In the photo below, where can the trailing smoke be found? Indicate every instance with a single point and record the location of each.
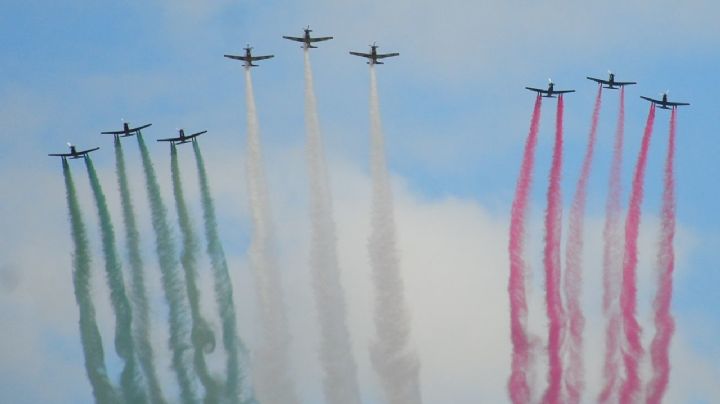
(628, 294)
(612, 265)
(517, 383)
(551, 261)
(664, 322)
(141, 311)
(575, 372)
(271, 358)
(236, 387)
(103, 390)
(173, 285)
(395, 362)
(202, 337)
(340, 379)
(124, 346)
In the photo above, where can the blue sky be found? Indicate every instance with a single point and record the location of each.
(454, 112)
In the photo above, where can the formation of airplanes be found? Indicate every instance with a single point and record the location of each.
(373, 58)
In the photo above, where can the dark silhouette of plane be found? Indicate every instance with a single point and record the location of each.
(182, 138)
(551, 91)
(307, 40)
(664, 103)
(126, 130)
(74, 154)
(611, 83)
(248, 58)
(373, 56)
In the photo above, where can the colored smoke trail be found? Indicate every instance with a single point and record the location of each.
(394, 360)
(518, 384)
(612, 265)
(173, 285)
(340, 379)
(124, 346)
(141, 311)
(551, 262)
(664, 322)
(236, 385)
(628, 293)
(271, 358)
(203, 339)
(575, 370)
(103, 391)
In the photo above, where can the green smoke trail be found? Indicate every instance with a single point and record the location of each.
(173, 285)
(235, 387)
(130, 377)
(103, 390)
(141, 316)
(203, 338)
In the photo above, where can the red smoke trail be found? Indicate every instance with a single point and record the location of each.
(518, 384)
(551, 261)
(628, 293)
(612, 261)
(574, 376)
(664, 323)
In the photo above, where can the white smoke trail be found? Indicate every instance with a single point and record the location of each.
(340, 380)
(271, 357)
(394, 360)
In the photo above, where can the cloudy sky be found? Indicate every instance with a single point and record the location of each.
(455, 116)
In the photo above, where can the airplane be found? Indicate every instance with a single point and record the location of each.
(127, 130)
(248, 58)
(664, 103)
(74, 154)
(549, 93)
(182, 138)
(610, 82)
(307, 39)
(373, 55)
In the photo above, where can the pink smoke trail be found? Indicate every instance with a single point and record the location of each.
(575, 372)
(612, 263)
(628, 293)
(551, 261)
(518, 388)
(664, 322)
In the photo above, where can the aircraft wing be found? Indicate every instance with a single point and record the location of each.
(194, 135)
(537, 90)
(86, 151)
(113, 132)
(563, 91)
(243, 58)
(676, 104)
(387, 55)
(601, 81)
(60, 154)
(365, 55)
(322, 38)
(654, 101)
(262, 57)
(624, 83)
(296, 39)
(139, 128)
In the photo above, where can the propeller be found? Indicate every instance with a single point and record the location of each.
(307, 29)
(69, 144)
